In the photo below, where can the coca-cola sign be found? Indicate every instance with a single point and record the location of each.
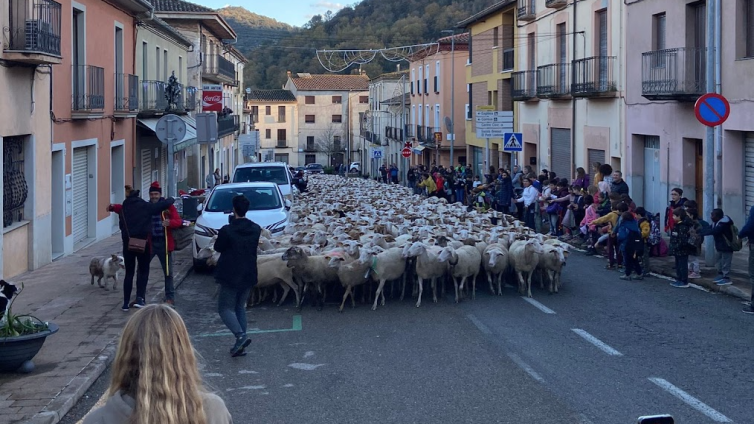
(212, 98)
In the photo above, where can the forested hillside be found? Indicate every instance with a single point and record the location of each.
(369, 24)
(253, 30)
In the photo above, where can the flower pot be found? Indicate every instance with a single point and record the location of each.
(14, 351)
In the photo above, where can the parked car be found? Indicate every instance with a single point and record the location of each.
(355, 167)
(267, 208)
(275, 172)
(314, 168)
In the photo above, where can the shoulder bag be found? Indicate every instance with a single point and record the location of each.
(135, 245)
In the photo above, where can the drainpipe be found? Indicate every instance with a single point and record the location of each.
(718, 129)
(573, 99)
(709, 153)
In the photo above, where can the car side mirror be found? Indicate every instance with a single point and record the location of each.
(199, 208)
(287, 204)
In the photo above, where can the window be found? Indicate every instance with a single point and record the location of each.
(530, 44)
(268, 133)
(437, 116)
(255, 114)
(144, 61)
(420, 114)
(659, 31)
(426, 79)
(468, 112)
(337, 119)
(749, 21)
(79, 59)
(281, 157)
(165, 65)
(413, 76)
(281, 113)
(336, 143)
(157, 63)
(281, 135)
(180, 69)
(495, 36)
(268, 110)
(118, 50)
(310, 159)
(413, 114)
(364, 99)
(309, 119)
(310, 144)
(419, 80)
(437, 76)
(16, 189)
(309, 100)
(336, 100)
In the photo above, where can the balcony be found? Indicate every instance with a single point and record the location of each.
(281, 144)
(419, 133)
(526, 10)
(126, 96)
(227, 124)
(594, 77)
(310, 146)
(524, 85)
(33, 32)
(218, 69)
(674, 74)
(152, 99)
(190, 100)
(394, 133)
(554, 81)
(88, 92)
(556, 4)
(508, 60)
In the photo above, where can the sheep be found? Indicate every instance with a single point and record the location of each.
(552, 262)
(524, 258)
(270, 272)
(351, 274)
(426, 266)
(495, 261)
(386, 266)
(311, 270)
(464, 263)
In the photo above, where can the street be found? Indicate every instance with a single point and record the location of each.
(600, 351)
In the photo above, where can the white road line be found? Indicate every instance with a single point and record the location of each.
(690, 400)
(483, 328)
(597, 342)
(524, 366)
(539, 306)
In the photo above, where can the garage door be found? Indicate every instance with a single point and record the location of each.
(594, 155)
(146, 171)
(560, 148)
(749, 173)
(80, 195)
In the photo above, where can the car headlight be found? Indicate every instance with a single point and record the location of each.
(201, 230)
(277, 229)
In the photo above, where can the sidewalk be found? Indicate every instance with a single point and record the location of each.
(90, 321)
(739, 273)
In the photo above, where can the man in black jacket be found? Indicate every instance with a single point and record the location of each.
(236, 270)
(722, 232)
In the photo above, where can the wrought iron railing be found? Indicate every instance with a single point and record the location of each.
(153, 96)
(215, 64)
(594, 76)
(190, 99)
(556, 3)
(677, 73)
(88, 87)
(524, 85)
(126, 92)
(227, 124)
(15, 189)
(526, 9)
(554, 80)
(34, 26)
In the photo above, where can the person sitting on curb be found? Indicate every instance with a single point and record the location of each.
(748, 232)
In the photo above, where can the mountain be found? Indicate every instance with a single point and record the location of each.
(369, 24)
(252, 29)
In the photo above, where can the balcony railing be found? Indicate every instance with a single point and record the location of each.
(524, 85)
(394, 133)
(594, 77)
(674, 74)
(556, 3)
(88, 88)
(218, 68)
(152, 97)
(126, 92)
(34, 28)
(508, 59)
(419, 133)
(190, 100)
(310, 147)
(281, 144)
(526, 10)
(554, 81)
(227, 124)
(281, 119)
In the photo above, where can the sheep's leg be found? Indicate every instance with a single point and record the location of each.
(274, 294)
(490, 277)
(473, 286)
(345, 296)
(557, 279)
(353, 298)
(499, 278)
(421, 288)
(403, 286)
(99, 282)
(521, 283)
(455, 284)
(434, 290)
(528, 284)
(286, 290)
(382, 294)
(377, 294)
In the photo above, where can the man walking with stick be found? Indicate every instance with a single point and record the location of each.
(162, 239)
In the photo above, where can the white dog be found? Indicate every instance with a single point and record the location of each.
(106, 268)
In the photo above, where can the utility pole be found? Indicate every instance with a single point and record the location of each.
(404, 161)
(709, 152)
(452, 128)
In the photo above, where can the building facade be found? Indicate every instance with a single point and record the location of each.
(329, 107)
(382, 128)
(569, 84)
(274, 114)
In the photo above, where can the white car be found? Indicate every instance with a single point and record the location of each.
(355, 167)
(268, 208)
(275, 172)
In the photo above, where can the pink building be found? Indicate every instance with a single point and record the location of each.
(666, 62)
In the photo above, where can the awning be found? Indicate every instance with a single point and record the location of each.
(418, 149)
(188, 140)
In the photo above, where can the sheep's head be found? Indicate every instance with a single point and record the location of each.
(415, 249)
(352, 247)
(536, 245)
(334, 261)
(293, 254)
(446, 254)
(556, 252)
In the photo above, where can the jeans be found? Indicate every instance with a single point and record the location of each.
(142, 274)
(645, 258)
(231, 305)
(682, 268)
(751, 271)
(159, 249)
(530, 215)
(722, 260)
(459, 195)
(632, 263)
(613, 255)
(553, 223)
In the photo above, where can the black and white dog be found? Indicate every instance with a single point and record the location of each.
(7, 291)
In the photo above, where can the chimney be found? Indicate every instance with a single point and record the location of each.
(289, 74)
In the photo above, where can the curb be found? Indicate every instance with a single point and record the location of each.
(77, 387)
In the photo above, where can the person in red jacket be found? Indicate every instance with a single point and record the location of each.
(162, 241)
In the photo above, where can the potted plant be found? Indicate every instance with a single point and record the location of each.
(21, 338)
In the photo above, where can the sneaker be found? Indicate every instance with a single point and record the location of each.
(242, 342)
(625, 277)
(724, 282)
(609, 267)
(748, 310)
(170, 302)
(694, 275)
(718, 279)
(746, 303)
(140, 303)
(679, 284)
(639, 277)
(125, 307)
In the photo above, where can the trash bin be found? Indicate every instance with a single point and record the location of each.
(190, 204)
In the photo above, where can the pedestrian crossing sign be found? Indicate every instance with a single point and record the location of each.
(513, 142)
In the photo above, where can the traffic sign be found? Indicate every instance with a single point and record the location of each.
(170, 127)
(513, 142)
(712, 109)
(406, 152)
(377, 154)
(492, 123)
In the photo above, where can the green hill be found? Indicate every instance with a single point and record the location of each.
(253, 29)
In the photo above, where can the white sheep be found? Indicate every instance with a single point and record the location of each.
(524, 256)
(351, 273)
(495, 261)
(552, 262)
(464, 263)
(270, 272)
(427, 267)
(313, 270)
(386, 266)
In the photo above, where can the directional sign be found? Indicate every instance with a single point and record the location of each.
(712, 109)
(406, 152)
(493, 123)
(513, 142)
(377, 154)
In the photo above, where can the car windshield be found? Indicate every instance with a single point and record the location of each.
(314, 165)
(273, 174)
(260, 198)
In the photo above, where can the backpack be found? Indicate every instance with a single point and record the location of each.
(654, 232)
(735, 242)
(634, 243)
(694, 238)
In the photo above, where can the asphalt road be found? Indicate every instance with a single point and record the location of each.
(601, 351)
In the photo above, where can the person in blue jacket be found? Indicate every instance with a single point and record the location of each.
(748, 232)
(629, 239)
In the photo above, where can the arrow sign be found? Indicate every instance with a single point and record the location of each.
(513, 142)
(712, 109)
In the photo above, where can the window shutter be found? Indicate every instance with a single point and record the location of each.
(749, 28)
(660, 32)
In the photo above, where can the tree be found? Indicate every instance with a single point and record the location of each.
(329, 142)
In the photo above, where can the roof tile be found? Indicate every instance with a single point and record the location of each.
(178, 6)
(271, 96)
(330, 82)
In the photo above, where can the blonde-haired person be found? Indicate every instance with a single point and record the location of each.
(155, 377)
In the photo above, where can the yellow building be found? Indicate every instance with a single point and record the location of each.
(488, 78)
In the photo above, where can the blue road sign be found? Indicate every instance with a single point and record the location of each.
(514, 142)
(712, 109)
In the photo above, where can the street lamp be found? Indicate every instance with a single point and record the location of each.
(452, 128)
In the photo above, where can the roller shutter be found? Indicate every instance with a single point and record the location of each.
(146, 171)
(594, 155)
(80, 195)
(560, 148)
(749, 172)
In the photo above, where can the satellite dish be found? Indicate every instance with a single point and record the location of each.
(248, 90)
(449, 124)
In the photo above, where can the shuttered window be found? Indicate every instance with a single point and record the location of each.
(530, 53)
(561, 152)
(80, 219)
(659, 24)
(749, 22)
(749, 173)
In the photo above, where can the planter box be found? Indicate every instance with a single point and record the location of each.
(14, 351)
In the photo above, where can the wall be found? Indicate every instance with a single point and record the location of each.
(271, 122)
(175, 50)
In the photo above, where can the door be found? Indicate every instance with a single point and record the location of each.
(594, 155)
(117, 181)
(699, 175)
(603, 65)
(654, 199)
(80, 194)
(749, 173)
(146, 171)
(57, 230)
(560, 152)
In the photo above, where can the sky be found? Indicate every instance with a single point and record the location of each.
(293, 12)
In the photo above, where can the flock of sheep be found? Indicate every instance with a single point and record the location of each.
(353, 232)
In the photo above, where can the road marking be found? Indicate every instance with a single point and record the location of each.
(483, 328)
(539, 306)
(597, 342)
(524, 366)
(296, 326)
(690, 400)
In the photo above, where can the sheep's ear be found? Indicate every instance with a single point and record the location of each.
(342, 259)
(328, 257)
(432, 240)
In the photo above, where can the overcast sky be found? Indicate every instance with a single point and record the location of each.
(294, 12)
